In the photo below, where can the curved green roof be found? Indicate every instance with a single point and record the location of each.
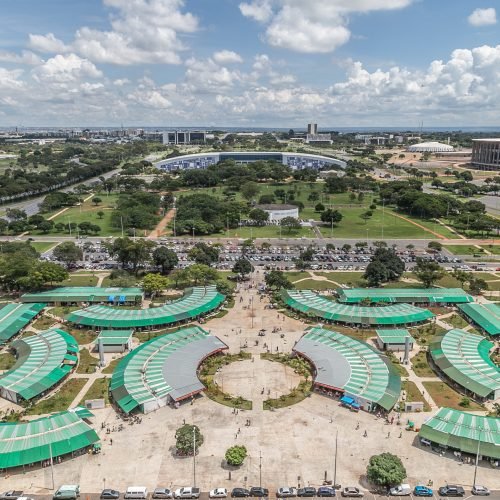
(418, 295)
(350, 365)
(42, 361)
(14, 317)
(195, 302)
(85, 294)
(487, 316)
(315, 305)
(37, 440)
(462, 431)
(162, 367)
(464, 358)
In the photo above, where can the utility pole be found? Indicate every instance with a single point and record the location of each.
(335, 464)
(260, 469)
(194, 456)
(121, 221)
(51, 461)
(477, 457)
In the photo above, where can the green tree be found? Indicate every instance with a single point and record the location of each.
(276, 280)
(45, 272)
(435, 246)
(100, 214)
(291, 223)
(133, 252)
(46, 226)
(68, 253)
(165, 259)
(188, 438)
(201, 274)
(313, 196)
(249, 190)
(331, 216)
(384, 266)
(319, 207)
(96, 200)
(259, 216)
(242, 267)
(366, 215)
(428, 272)
(153, 284)
(202, 253)
(236, 455)
(224, 288)
(477, 285)
(386, 470)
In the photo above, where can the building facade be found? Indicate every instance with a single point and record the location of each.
(278, 212)
(177, 137)
(486, 154)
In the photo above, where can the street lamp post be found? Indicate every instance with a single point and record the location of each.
(335, 464)
(194, 456)
(477, 457)
(260, 469)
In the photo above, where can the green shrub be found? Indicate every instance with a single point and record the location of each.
(236, 455)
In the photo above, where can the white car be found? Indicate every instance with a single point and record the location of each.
(218, 493)
(480, 490)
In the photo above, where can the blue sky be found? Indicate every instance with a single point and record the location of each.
(249, 63)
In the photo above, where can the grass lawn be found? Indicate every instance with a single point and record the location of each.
(87, 363)
(43, 323)
(79, 280)
(444, 395)
(463, 249)
(397, 365)
(347, 278)
(7, 361)
(87, 212)
(61, 400)
(493, 286)
(43, 246)
(83, 337)
(494, 249)
(62, 311)
(413, 394)
(356, 333)
(266, 232)
(98, 390)
(456, 321)
(314, 285)
(486, 276)
(148, 335)
(421, 366)
(297, 275)
(423, 334)
(111, 367)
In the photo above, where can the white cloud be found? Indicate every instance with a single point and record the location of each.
(227, 57)
(47, 43)
(483, 17)
(208, 76)
(311, 27)
(26, 57)
(142, 32)
(258, 10)
(10, 79)
(66, 68)
(120, 82)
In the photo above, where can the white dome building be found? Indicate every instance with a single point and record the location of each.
(430, 147)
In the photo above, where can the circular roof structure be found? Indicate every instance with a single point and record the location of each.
(430, 147)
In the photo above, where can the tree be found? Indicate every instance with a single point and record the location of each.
(165, 259)
(188, 438)
(313, 196)
(259, 216)
(331, 216)
(291, 223)
(15, 214)
(384, 266)
(477, 285)
(236, 455)
(277, 280)
(386, 470)
(100, 214)
(461, 276)
(428, 272)
(68, 253)
(46, 226)
(45, 272)
(319, 207)
(201, 274)
(96, 200)
(435, 246)
(131, 252)
(202, 253)
(154, 284)
(242, 266)
(249, 190)
(366, 215)
(224, 288)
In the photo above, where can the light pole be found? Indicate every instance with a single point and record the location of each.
(477, 457)
(335, 463)
(260, 469)
(51, 460)
(194, 456)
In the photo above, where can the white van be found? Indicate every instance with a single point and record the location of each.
(137, 493)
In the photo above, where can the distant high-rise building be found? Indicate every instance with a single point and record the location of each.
(312, 128)
(184, 137)
(486, 154)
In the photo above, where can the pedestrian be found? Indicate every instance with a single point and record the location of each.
(111, 441)
(365, 434)
(239, 430)
(401, 434)
(389, 434)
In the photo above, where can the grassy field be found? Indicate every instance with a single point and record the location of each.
(87, 363)
(413, 394)
(43, 323)
(297, 275)
(111, 367)
(423, 334)
(83, 337)
(456, 321)
(43, 246)
(7, 361)
(314, 285)
(61, 400)
(98, 390)
(347, 278)
(421, 366)
(463, 249)
(356, 333)
(444, 395)
(79, 280)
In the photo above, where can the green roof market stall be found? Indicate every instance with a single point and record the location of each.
(464, 358)
(314, 305)
(464, 432)
(91, 294)
(14, 317)
(43, 360)
(195, 302)
(412, 295)
(38, 440)
(162, 370)
(353, 367)
(486, 316)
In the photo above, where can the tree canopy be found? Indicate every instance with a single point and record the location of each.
(386, 470)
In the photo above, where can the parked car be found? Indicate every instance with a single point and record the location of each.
(423, 491)
(352, 491)
(308, 491)
(109, 494)
(11, 495)
(240, 493)
(162, 493)
(480, 490)
(67, 492)
(187, 492)
(218, 493)
(259, 491)
(402, 490)
(325, 491)
(451, 491)
(286, 492)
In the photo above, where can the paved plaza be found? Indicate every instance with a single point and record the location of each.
(296, 443)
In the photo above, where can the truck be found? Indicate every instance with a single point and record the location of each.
(187, 492)
(11, 495)
(67, 492)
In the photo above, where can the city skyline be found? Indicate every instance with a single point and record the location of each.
(258, 63)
